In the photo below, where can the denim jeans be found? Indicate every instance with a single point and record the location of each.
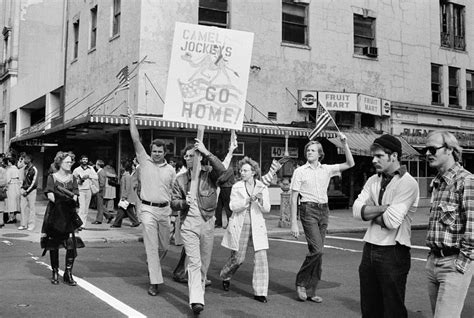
(315, 223)
(383, 275)
(447, 288)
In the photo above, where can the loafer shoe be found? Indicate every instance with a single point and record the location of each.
(153, 290)
(135, 225)
(226, 285)
(261, 299)
(180, 280)
(316, 299)
(197, 308)
(115, 226)
(96, 222)
(301, 293)
(21, 228)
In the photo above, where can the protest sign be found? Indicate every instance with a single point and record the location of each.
(208, 76)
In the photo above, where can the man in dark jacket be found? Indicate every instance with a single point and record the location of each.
(197, 230)
(28, 195)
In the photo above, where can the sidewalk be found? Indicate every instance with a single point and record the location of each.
(340, 221)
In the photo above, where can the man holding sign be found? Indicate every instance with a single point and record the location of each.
(156, 177)
(197, 230)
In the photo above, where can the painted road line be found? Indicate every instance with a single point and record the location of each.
(102, 295)
(337, 248)
(418, 247)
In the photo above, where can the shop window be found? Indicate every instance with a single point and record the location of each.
(13, 124)
(364, 36)
(453, 87)
(93, 34)
(294, 23)
(75, 27)
(436, 72)
(117, 14)
(272, 116)
(213, 13)
(452, 25)
(345, 119)
(470, 90)
(367, 120)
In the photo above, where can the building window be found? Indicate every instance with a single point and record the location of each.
(470, 89)
(272, 116)
(453, 86)
(436, 71)
(117, 11)
(364, 36)
(75, 50)
(452, 25)
(93, 27)
(213, 13)
(295, 23)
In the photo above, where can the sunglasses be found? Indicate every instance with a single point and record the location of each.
(431, 149)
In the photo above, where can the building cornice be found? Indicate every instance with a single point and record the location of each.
(433, 110)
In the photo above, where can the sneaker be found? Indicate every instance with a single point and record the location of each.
(21, 228)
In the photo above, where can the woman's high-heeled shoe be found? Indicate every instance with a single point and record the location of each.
(55, 277)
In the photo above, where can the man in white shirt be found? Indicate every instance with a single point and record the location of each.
(310, 182)
(388, 201)
(85, 175)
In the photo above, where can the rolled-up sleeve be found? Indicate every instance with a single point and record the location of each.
(406, 198)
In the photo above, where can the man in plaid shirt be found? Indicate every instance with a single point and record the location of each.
(451, 226)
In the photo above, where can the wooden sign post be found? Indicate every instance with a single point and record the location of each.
(196, 165)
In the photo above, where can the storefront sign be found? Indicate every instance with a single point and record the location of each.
(278, 152)
(341, 102)
(208, 76)
(369, 105)
(386, 108)
(307, 99)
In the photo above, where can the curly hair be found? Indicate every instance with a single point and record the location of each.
(60, 156)
(253, 165)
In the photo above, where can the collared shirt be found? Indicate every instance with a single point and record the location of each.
(80, 172)
(156, 179)
(451, 221)
(402, 195)
(312, 183)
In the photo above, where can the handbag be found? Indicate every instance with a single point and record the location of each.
(94, 186)
(123, 204)
(76, 221)
(113, 181)
(3, 193)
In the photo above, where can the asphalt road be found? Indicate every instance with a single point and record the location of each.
(114, 282)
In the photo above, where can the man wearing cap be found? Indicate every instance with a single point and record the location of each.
(388, 201)
(450, 234)
(311, 181)
(84, 174)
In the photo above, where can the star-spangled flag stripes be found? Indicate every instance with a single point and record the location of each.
(123, 79)
(322, 119)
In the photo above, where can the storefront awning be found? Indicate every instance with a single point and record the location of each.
(360, 142)
(248, 128)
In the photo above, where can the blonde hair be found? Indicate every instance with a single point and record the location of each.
(449, 141)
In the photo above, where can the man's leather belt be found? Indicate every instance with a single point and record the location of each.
(315, 205)
(160, 205)
(445, 251)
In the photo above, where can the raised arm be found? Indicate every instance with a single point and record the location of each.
(232, 146)
(347, 151)
(139, 149)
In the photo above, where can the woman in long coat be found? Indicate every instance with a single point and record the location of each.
(61, 219)
(249, 199)
(12, 202)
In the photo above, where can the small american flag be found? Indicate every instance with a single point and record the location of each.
(123, 79)
(322, 119)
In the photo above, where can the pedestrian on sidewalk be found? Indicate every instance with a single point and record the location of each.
(85, 176)
(3, 185)
(110, 191)
(197, 230)
(101, 209)
(12, 202)
(156, 178)
(450, 234)
(28, 195)
(59, 225)
(128, 197)
(388, 201)
(311, 181)
(249, 200)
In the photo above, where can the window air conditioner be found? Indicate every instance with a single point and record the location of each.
(302, 1)
(371, 51)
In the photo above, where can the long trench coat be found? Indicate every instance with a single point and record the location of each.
(238, 205)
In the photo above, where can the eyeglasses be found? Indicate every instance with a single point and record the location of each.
(431, 149)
